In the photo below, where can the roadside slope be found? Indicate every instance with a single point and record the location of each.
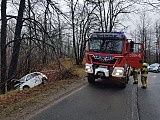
(40, 99)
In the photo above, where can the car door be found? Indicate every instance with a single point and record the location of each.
(135, 57)
(37, 79)
(32, 80)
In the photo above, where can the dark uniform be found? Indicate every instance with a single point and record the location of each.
(144, 74)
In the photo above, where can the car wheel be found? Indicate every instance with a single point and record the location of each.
(91, 78)
(123, 85)
(44, 80)
(25, 87)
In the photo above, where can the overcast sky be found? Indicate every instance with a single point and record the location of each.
(153, 15)
(132, 19)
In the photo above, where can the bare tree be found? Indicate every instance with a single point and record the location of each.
(3, 46)
(143, 27)
(154, 4)
(81, 24)
(16, 48)
(110, 11)
(157, 41)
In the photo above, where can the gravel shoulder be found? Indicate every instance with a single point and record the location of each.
(33, 106)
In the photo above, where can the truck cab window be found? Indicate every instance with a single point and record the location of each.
(106, 46)
(137, 48)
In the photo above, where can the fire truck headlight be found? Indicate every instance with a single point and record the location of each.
(88, 68)
(118, 72)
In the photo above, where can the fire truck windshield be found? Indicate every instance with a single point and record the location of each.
(110, 46)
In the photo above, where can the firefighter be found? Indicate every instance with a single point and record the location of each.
(135, 75)
(144, 74)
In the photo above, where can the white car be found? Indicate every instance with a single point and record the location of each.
(31, 80)
(154, 67)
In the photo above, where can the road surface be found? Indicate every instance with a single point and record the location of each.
(105, 101)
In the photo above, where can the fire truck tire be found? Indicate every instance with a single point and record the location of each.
(123, 85)
(91, 78)
(127, 79)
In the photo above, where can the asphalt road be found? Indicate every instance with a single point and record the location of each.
(105, 101)
(149, 99)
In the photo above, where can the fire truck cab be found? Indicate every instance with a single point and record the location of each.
(112, 56)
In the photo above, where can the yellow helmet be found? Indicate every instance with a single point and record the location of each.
(144, 65)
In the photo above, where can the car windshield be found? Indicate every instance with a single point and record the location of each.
(22, 79)
(106, 46)
(32, 75)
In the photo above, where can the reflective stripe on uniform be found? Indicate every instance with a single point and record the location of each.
(135, 70)
(136, 80)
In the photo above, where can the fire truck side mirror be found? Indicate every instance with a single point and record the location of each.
(131, 46)
(140, 61)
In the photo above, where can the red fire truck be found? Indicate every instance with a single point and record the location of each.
(112, 56)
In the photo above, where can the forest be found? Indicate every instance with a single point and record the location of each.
(35, 33)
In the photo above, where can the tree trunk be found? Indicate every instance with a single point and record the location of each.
(16, 48)
(73, 33)
(101, 17)
(45, 35)
(3, 46)
(30, 37)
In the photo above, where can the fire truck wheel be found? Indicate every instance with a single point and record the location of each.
(91, 78)
(127, 79)
(123, 85)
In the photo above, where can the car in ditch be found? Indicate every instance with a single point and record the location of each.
(30, 80)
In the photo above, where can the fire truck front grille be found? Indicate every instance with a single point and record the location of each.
(102, 60)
